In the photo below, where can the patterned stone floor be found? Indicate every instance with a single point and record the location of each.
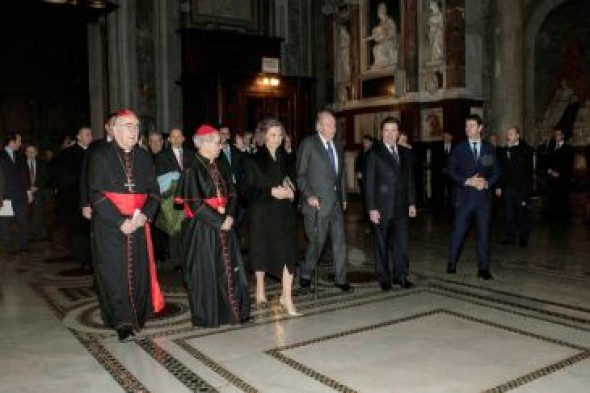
(527, 331)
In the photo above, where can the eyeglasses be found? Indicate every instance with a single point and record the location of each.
(129, 126)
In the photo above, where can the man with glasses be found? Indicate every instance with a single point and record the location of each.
(124, 195)
(213, 270)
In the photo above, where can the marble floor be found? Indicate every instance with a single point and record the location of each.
(526, 331)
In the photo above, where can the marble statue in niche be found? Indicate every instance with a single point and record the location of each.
(435, 32)
(344, 55)
(385, 42)
(581, 133)
(564, 96)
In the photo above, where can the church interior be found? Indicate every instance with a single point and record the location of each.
(429, 63)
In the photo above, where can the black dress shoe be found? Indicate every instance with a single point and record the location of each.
(304, 283)
(485, 275)
(343, 287)
(385, 286)
(405, 284)
(125, 335)
(451, 268)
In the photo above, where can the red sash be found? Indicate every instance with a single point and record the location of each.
(126, 204)
(215, 203)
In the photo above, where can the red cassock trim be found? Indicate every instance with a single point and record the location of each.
(216, 202)
(126, 204)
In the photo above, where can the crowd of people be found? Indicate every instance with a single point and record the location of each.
(129, 204)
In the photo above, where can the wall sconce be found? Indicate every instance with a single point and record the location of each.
(269, 81)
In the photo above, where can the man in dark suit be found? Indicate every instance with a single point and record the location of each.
(474, 169)
(560, 162)
(71, 176)
(442, 187)
(15, 189)
(233, 158)
(94, 145)
(174, 159)
(391, 200)
(321, 179)
(516, 186)
(360, 165)
(39, 189)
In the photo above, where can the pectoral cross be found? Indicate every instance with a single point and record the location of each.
(129, 186)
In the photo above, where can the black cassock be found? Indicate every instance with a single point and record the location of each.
(213, 269)
(122, 267)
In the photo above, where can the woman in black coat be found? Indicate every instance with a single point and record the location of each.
(268, 185)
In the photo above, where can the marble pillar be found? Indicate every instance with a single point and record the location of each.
(167, 65)
(508, 74)
(97, 88)
(122, 56)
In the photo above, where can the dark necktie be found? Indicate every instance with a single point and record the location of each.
(32, 172)
(227, 153)
(179, 158)
(331, 157)
(395, 155)
(475, 156)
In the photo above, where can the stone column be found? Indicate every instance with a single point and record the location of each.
(167, 62)
(508, 72)
(122, 53)
(97, 88)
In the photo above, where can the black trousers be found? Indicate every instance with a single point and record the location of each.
(396, 229)
(21, 219)
(516, 209)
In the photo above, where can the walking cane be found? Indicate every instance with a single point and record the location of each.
(317, 264)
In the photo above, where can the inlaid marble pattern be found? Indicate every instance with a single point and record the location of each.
(526, 331)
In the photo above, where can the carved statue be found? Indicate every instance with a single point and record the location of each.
(385, 44)
(344, 58)
(435, 33)
(581, 133)
(564, 96)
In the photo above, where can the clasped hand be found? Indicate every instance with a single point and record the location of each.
(131, 224)
(281, 192)
(477, 182)
(226, 226)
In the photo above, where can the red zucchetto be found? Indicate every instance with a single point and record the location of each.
(125, 112)
(205, 129)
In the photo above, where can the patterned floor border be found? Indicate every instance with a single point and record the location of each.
(506, 293)
(278, 353)
(329, 302)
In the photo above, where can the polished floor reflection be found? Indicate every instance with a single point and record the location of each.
(526, 331)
